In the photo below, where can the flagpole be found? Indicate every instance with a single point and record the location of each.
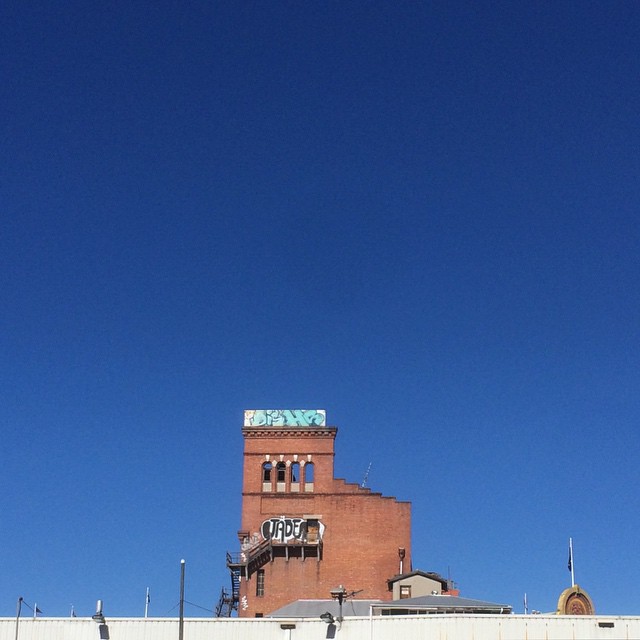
(35, 610)
(573, 578)
(146, 605)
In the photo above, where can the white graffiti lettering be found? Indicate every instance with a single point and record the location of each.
(284, 529)
(287, 529)
(250, 542)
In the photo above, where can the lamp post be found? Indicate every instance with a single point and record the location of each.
(181, 623)
(18, 610)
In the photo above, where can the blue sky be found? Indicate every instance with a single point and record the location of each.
(422, 217)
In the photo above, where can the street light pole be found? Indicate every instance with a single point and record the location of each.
(18, 609)
(181, 624)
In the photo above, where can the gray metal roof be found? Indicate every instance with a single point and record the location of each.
(425, 574)
(315, 608)
(442, 602)
(437, 603)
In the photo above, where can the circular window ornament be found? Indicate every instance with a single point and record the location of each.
(575, 601)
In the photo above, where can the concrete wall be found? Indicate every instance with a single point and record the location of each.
(440, 627)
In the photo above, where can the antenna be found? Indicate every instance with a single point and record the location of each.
(366, 476)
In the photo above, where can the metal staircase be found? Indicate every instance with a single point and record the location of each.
(228, 602)
(242, 564)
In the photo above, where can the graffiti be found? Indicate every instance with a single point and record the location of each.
(284, 417)
(291, 529)
(244, 603)
(249, 543)
(284, 529)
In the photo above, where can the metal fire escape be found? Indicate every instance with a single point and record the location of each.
(228, 602)
(242, 565)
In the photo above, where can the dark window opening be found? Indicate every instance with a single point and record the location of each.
(266, 472)
(313, 530)
(281, 470)
(260, 583)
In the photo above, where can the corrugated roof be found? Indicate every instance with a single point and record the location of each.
(445, 602)
(442, 603)
(315, 608)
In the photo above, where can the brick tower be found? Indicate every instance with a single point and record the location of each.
(303, 531)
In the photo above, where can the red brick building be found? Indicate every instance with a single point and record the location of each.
(304, 532)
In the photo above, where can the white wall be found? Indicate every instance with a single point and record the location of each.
(437, 627)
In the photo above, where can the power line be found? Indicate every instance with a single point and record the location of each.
(198, 606)
(193, 604)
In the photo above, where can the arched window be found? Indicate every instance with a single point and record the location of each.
(281, 476)
(308, 476)
(266, 476)
(295, 476)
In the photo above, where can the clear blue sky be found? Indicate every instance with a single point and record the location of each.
(420, 216)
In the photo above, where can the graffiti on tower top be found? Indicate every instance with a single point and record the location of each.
(284, 417)
(287, 530)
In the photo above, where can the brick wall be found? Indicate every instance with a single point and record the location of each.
(363, 529)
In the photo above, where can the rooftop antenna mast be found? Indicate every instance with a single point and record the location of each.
(366, 477)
